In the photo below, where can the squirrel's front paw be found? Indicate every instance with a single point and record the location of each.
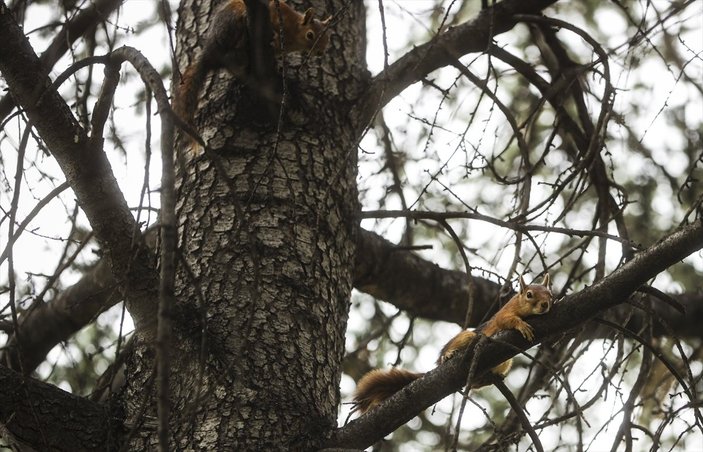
(446, 356)
(526, 331)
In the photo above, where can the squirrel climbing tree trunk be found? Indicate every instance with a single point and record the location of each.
(267, 224)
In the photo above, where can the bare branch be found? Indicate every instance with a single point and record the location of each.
(573, 311)
(51, 323)
(519, 411)
(86, 168)
(383, 270)
(28, 219)
(103, 104)
(74, 29)
(509, 224)
(474, 36)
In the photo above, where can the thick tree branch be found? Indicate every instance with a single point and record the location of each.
(573, 311)
(86, 168)
(443, 50)
(383, 270)
(422, 288)
(48, 324)
(51, 323)
(32, 411)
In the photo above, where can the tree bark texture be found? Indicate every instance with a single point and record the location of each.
(38, 416)
(267, 229)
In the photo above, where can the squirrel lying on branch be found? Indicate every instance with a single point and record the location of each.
(534, 299)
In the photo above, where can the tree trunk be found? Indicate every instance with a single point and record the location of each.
(267, 225)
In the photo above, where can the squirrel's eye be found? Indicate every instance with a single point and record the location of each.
(529, 294)
(310, 36)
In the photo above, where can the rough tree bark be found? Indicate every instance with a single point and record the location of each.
(267, 229)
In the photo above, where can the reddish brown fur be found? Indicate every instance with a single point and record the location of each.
(226, 46)
(186, 99)
(535, 299)
(300, 31)
(379, 384)
(460, 342)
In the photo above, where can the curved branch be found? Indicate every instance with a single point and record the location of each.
(509, 224)
(86, 167)
(74, 29)
(443, 50)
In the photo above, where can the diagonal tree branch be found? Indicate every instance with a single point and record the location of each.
(573, 311)
(383, 270)
(30, 412)
(423, 289)
(86, 168)
(443, 50)
(411, 283)
(48, 324)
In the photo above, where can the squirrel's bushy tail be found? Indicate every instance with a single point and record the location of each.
(379, 384)
(186, 99)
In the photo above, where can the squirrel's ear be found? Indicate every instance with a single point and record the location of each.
(326, 22)
(307, 18)
(522, 284)
(545, 281)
